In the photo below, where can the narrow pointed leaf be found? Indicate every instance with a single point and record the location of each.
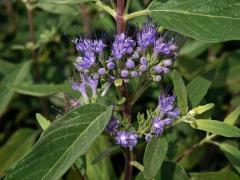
(217, 127)
(181, 92)
(14, 77)
(62, 143)
(232, 154)
(233, 116)
(154, 156)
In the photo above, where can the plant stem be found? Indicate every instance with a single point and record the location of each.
(120, 20)
(136, 14)
(128, 166)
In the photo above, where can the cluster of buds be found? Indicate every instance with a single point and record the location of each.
(148, 54)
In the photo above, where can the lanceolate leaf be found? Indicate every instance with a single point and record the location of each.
(154, 155)
(181, 92)
(14, 77)
(197, 89)
(217, 127)
(232, 154)
(41, 90)
(62, 143)
(208, 20)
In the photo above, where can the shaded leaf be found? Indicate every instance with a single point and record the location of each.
(102, 170)
(105, 153)
(41, 90)
(197, 89)
(14, 77)
(172, 171)
(181, 92)
(66, 139)
(232, 154)
(194, 48)
(220, 175)
(15, 148)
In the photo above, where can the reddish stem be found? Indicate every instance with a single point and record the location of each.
(120, 20)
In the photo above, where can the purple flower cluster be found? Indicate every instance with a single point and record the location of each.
(148, 54)
(166, 113)
(124, 138)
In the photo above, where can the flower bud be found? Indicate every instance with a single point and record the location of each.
(101, 71)
(167, 62)
(130, 64)
(124, 73)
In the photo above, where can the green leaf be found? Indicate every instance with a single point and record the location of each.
(59, 8)
(154, 156)
(65, 1)
(194, 48)
(232, 154)
(197, 89)
(5, 66)
(14, 77)
(15, 148)
(105, 153)
(172, 171)
(103, 170)
(140, 176)
(219, 175)
(62, 143)
(217, 127)
(207, 20)
(41, 90)
(233, 116)
(42, 121)
(181, 92)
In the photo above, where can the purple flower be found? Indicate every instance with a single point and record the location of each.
(158, 69)
(157, 126)
(93, 83)
(167, 62)
(166, 104)
(86, 45)
(110, 65)
(147, 35)
(85, 62)
(143, 68)
(143, 61)
(167, 121)
(148, 137)
(113, 125)
(101, 71)
(130, 64)
(167, 49)
(134, 74)
(124, 73)
(122, 45)
(126, 139)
